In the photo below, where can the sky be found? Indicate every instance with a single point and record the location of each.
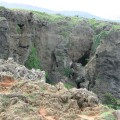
(109, 9)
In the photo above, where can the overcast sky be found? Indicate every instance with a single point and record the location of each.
(102, 8)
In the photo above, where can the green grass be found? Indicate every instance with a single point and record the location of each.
(33, 60)
(18, 29)
(68, 85)
(97, 39)
(2, 8)
(116, 27)
(111, 101)
(107, 116)
(65, 24)
(47, 17)
(67, 71)
(96, 23)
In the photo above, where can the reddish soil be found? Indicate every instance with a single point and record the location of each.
(6, 83)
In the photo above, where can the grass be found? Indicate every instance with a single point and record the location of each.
(96, 23)
(33, 60)
(107, 116)
(2, 8)
(68, 85)
(67, 71)
(111, 101)
(97, 39)
(65, 24)
(116, 27)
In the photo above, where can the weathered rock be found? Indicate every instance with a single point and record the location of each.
(41, 100)
(53, 41)
(58, 44)
(84, 97)
(105, 66)
(78, 74)
(80, 41)
(16, 71)
(117, 114)
(4, 38)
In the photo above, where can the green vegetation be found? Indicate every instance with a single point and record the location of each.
(64, 23)
(2, 8)
(18, 29)
(47, 78)
(47, 17)
(97, 23)
(97, 39)
(112, 101)
(68, 85)
(54, 17)
(67, 71)
(116, 27)
(102, 29)
(107, 116)
(33, 61)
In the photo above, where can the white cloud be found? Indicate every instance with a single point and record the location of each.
(102, 8)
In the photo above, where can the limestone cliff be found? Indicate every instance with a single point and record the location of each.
(54, 42)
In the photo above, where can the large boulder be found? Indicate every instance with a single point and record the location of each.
(80, 40)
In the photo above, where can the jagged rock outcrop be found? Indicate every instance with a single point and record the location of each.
(9, 68)
(80, 41)
(4, 38)
(37, 100)
(105, 66)
(18, 39)
(26, 30)
(60, 43)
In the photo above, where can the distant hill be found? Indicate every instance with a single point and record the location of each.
(80, 14)
(25, 6)
(66, 13)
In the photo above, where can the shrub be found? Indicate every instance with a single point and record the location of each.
(2, 8)
(111, 101)
(67, 71)
(33, 61)
(97, 38)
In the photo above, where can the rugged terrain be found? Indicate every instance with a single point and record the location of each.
(26, 98)
(54, 42)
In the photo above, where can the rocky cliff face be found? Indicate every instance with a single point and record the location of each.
(106, 65)
(60, 42)
(56, 47)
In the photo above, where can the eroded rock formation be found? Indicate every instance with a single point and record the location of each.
(62, 42)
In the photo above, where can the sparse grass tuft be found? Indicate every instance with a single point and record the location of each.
(68, 85)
